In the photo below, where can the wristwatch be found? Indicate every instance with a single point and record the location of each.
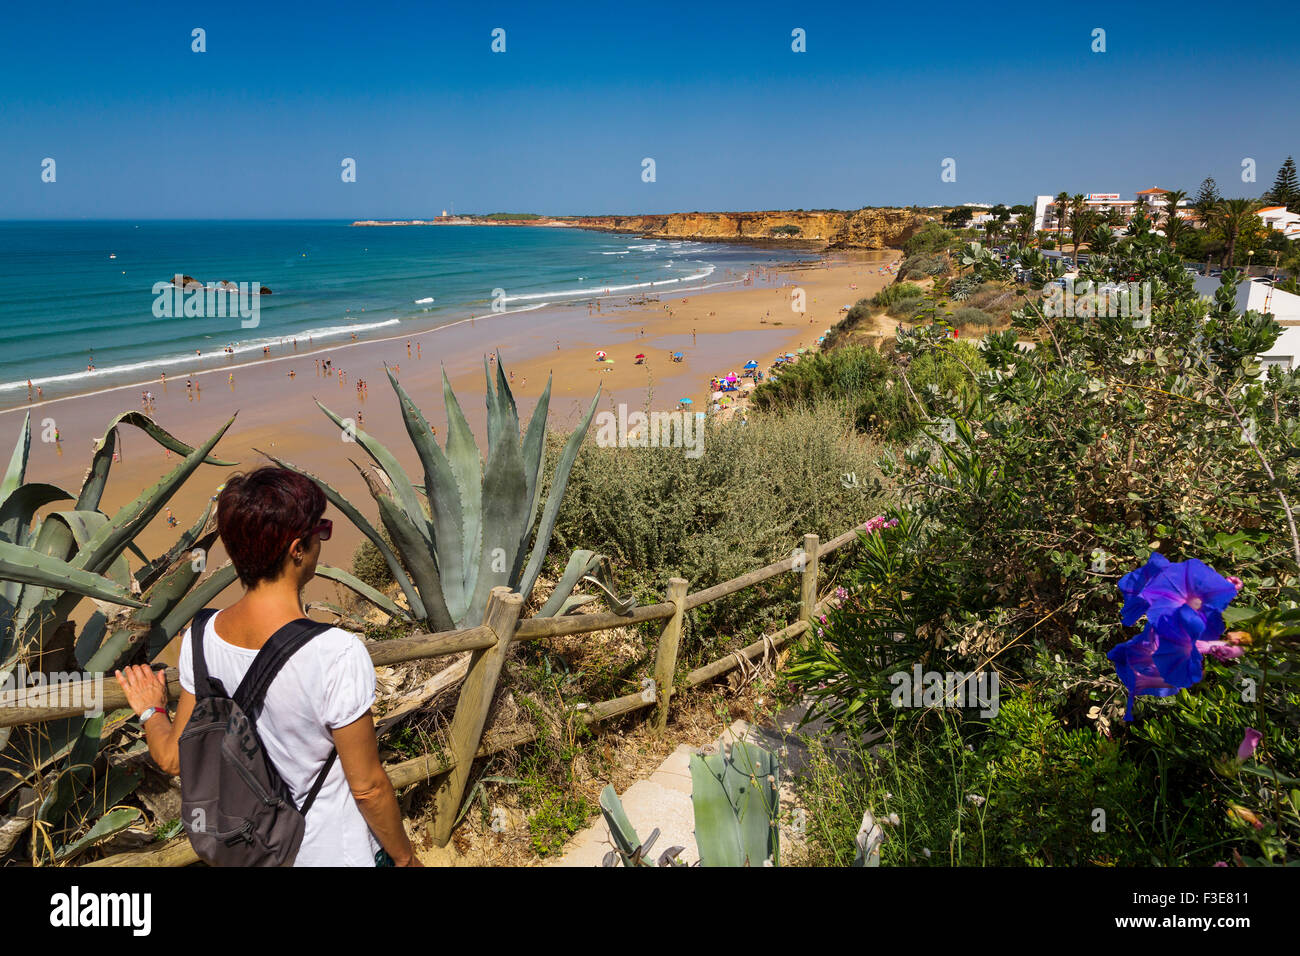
(149, 712)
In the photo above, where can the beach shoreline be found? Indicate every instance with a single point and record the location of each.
(718, 330)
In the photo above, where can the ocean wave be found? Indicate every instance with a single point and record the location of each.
(605, 290)
(424, 301)
(253, 345)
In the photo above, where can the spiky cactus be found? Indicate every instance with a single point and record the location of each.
(736, 798)
(467, 528)
(47, 566)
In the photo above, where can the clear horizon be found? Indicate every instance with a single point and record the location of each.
(257, 127)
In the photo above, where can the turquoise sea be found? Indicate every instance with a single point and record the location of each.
(82, 293)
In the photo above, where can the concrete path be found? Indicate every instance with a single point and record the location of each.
(664, 800)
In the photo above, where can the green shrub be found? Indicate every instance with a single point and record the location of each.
(920, 266)
(744, 503)
(930, 238)
(892, 293)
(972, 318)
(369, 565)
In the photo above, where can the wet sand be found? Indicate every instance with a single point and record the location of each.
(718, 330)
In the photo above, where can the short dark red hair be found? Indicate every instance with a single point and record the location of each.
(260, 514)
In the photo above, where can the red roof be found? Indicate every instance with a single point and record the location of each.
(1147, 192)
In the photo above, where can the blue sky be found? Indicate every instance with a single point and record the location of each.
(256, 127)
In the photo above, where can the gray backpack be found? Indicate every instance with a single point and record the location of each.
(235, 806)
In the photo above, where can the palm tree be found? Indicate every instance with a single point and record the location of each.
(1229, 219)
(1025, 227)
(1062, 212)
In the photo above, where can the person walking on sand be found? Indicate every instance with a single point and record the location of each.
(315, 724)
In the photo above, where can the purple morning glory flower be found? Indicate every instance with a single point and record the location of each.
(1194, 586)
(1134, 661)
(1177, 656)
(1132, 584)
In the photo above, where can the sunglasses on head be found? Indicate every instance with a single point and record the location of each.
(324, 528)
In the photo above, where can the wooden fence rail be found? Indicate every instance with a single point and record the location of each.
(489, 644)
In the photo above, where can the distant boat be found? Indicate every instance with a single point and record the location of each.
(424, 301)
(112, 255)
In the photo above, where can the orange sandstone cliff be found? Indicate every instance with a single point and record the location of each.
(862, 229)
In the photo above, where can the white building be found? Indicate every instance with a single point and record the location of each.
(1256, 297)
(1285, 351)
(1278, 218)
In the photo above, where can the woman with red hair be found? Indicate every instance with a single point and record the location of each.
(272, 527)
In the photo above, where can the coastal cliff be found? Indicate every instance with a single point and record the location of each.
(861, 229)
(868, 228)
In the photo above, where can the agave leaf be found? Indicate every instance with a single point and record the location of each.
(752, 785)
(93, 487)
(91, 637)
(717, 833)
(620, 827)
(553, 500)
(504, 514)
(114, 821)
(403, 490)
(21, 505)
(467, 466)
(534, 454)
(143, 627)
(15, 517)
(444, 503)
(187, 542)
(374, 596)
(581, 563)
(419, 559)
(506, 400)
(75, 773)
(17, 469)
(31, 567)
(109, 542)
(594, 569)
(370, 531)
(203, 594)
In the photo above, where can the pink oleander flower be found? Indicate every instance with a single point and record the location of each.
(820, 632)
(841, 594)
(1220, 650)
(1249, 743)
(822, 618)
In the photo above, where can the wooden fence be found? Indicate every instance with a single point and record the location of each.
(489, 644)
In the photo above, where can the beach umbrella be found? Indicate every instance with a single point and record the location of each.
(789, 355)
(751, 364)
(679, 355)
(732, 376)
(600, 356)
(640, 355)
(685, 401)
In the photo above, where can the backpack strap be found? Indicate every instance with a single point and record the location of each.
(275, 653)
(204, 685)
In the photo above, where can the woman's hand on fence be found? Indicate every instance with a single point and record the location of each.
(144, 687)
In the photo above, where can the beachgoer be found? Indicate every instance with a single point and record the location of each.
(271, 526)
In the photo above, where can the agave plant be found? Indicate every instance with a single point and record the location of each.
(467, 528)
(736, 799)
(47, 565)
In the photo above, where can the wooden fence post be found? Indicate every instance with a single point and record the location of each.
(666, 658)
(808, 583)
(472, 709)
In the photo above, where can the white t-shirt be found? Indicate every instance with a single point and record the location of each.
(327, 684)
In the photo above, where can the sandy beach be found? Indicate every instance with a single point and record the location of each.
(718, 330)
